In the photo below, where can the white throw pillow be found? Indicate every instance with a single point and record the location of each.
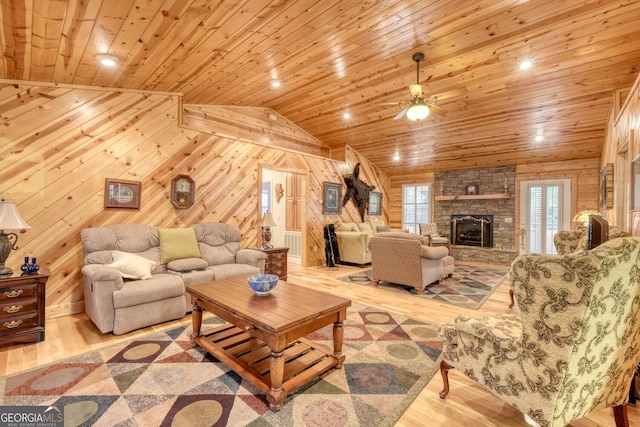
(132, 266)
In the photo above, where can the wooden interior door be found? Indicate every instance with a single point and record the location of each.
(294, 202)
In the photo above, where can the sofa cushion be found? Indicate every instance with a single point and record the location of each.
(365, 227)
(131, 266)
(346, 226)
(159, 287)
(382, 229)
(218, 242)
(187, 264)
(226, 271)
(178, 243)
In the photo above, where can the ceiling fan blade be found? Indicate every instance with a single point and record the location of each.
(437, 110)
(416, 90)
(401, 114)
(450, 94)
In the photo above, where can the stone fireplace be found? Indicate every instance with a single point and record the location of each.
(472, 230)
(493, 200)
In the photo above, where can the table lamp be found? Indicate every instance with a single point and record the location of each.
(9, 219)
(581, 219)
(267, 223)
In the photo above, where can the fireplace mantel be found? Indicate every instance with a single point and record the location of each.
(473, 197)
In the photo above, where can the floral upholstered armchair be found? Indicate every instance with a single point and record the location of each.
(570, 241)
(574, 346)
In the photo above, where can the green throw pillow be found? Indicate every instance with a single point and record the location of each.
(178, 243)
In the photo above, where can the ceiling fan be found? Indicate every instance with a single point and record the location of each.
(418, 108)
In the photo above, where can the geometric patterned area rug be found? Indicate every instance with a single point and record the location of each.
(469, 286)
(162, 380)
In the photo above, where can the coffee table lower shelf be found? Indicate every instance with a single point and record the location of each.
(249, 357)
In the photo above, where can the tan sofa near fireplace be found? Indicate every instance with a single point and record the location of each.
(135, 275)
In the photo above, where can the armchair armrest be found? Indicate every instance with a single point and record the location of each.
(433, 252)
(491, 328)
(252, 257)
(98, 273)
(100, 283)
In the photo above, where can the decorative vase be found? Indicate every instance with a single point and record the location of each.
(33, 267)
(25, 266)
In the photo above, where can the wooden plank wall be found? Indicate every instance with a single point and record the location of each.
(58, 143)
(621, 147)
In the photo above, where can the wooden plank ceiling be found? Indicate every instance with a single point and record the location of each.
(337, 56)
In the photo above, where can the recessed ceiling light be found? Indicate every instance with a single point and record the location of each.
(525, 64)
(107, 60)
(539, 138)
(346, 116)
(276, 84)
(396, 157)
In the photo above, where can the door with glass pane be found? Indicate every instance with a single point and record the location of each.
(415, 206)
(545, 209)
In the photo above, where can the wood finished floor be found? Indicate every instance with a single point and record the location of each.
(468, 404)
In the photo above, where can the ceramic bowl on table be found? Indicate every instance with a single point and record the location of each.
(262, 284)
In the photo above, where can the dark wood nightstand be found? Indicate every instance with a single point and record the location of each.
(276, 262)
(22, 303)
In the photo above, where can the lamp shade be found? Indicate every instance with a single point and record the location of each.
(418, 110)
(10, 219)
(267, 220)
(581, 219)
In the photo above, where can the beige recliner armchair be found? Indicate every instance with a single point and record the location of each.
(404, 259)
(575, 345)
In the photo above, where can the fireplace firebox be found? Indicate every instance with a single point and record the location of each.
(472, 230)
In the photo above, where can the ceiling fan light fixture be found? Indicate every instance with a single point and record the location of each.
(418, 110)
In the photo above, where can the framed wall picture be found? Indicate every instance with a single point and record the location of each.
(635, 183)
(606, 186)
(375, 203)
(122, 194)
(635, 223)
(332, 198)
(472, 190)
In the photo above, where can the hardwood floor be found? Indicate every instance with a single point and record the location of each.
(468, 403)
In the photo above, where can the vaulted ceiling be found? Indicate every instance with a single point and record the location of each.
(337, 56)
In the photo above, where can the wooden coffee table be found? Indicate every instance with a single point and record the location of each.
(264, 339)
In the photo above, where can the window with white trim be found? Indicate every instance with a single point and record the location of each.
(416, 206)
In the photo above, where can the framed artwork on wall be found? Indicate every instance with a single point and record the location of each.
(332, 198)
(606, 186)
(635, 223)
(122, 194)
(375, 203)
(472, 190)
(635, 183)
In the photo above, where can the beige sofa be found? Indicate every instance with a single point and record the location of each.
(353, 239)
(136, 275)
(406, 259)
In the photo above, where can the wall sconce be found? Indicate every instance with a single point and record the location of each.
(9, 219)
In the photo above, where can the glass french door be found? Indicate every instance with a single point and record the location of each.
(545, 209)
